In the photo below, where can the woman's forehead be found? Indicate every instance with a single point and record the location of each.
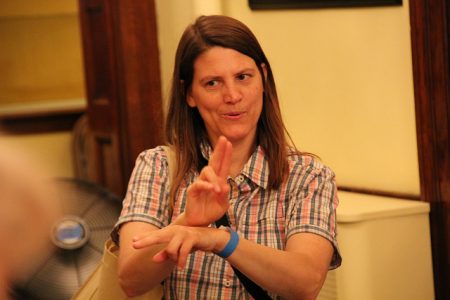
(217, 59)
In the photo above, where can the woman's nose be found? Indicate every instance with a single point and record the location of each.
(232, 93)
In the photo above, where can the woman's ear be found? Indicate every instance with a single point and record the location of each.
(264, 68)
(189, 99)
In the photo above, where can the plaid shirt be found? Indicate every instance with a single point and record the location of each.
(306, 202)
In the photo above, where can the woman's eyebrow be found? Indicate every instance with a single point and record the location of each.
(217, 77)
(249, 69)
(246, 70)
(209, 78)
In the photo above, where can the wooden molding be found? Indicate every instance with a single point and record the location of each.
(39, 123)
(430, 53)
(379, 193)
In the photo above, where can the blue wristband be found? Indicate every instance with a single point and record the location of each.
(231, 245)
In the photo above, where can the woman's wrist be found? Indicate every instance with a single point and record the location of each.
(180, 220)
(228, 244)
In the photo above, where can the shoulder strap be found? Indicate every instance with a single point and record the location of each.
(255, 290)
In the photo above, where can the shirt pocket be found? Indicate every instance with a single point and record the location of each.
(262, 220)
(267, 231)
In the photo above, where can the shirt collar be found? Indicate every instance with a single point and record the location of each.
(256, 169)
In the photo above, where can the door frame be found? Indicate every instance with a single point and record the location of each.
(430, 55)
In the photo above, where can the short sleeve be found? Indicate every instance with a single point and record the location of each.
(147, 197)
(314, 209)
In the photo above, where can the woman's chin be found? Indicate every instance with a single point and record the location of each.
(239, 137)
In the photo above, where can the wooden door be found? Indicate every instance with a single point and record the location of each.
(122, 85)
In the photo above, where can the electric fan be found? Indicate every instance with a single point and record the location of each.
(89, 214)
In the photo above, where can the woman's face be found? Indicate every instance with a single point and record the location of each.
(227, 89)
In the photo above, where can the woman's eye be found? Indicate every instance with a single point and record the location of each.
(212, 83)
(243, 76)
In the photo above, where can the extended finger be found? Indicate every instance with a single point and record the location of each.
(217, 154)
(155, 237)
(224, 169)
(146, 242)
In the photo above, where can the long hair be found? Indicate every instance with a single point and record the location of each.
(185, 130)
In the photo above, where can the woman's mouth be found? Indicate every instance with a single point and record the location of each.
(233, 115)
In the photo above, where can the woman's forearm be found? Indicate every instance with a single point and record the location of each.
(136, 271)
(138, 274)
(297, 272)
(292, 275)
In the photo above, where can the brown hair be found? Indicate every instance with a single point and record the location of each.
(185, 129)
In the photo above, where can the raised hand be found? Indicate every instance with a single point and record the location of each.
(207, 197)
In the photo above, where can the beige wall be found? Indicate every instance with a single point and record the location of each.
(40, 56)
(344, 78)
(51, 150)
(41, 68)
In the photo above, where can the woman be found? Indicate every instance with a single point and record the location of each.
(232, 157)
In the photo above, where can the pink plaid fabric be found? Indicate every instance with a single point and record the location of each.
(306, 202)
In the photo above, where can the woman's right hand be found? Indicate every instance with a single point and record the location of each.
(207, 197)
(178, 241)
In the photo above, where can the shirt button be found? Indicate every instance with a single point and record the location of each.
(227, 283)
(239, 179)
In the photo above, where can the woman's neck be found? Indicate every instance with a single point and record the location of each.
(240, 156)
